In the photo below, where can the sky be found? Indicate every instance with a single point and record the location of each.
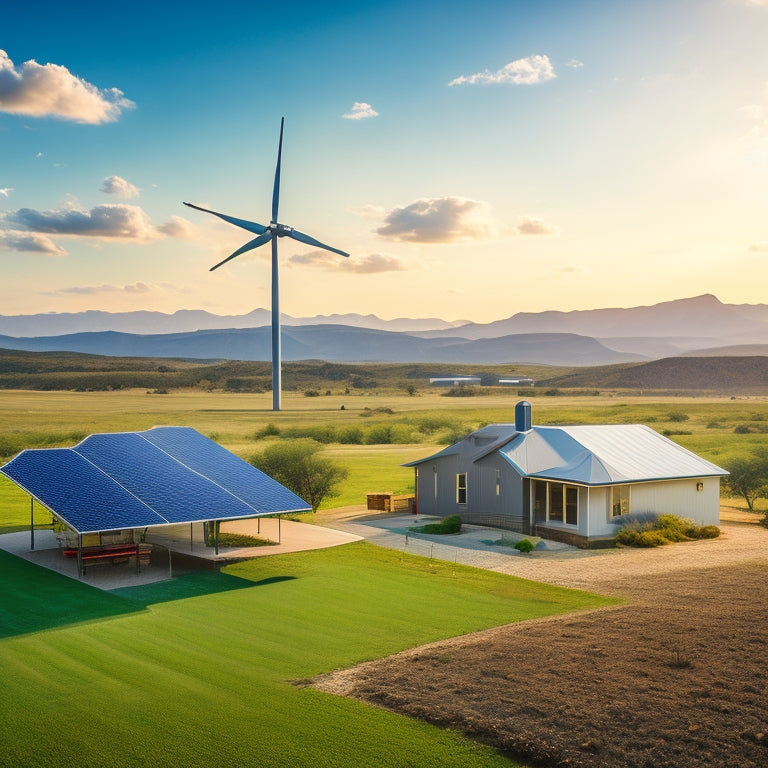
(475, 159)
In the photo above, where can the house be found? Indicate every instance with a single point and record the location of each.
(568, 483)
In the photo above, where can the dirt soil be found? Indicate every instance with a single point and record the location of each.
(677, 676)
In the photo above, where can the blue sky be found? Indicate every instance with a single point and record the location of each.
(476, 159)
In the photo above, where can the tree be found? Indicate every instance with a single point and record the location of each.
(748, 477)
(298, 465)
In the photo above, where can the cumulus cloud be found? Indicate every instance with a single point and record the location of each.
(528, 71)
(51, 90)
(528, 226)
(6, 191)
(115, 185)
(29, 242)
(111, 222)
(366, 265)
(574, 64)
(178, 228)
(759, 246)
(439, 220)
(359, 111)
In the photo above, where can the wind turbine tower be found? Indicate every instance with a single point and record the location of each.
(264, 235)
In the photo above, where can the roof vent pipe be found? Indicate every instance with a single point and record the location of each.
(523, 416)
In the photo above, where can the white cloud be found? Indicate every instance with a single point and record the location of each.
(574, 64)
(360, 110)
(51, 90)
(372, 263)
(111, 222)
(439, 220)
(29, 242)
(759, 246)
(115, 185)
(528, 71)
(6, 191)
(528, 226)
(179, 228)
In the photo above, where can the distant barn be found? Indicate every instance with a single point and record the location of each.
(454, 381)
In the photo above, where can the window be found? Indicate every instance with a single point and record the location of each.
(498, 482)
(434, 474)
(562, 504)
(461, 488)
(619, 500)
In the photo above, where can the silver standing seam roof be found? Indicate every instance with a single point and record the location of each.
(604, 454)
(161, 476)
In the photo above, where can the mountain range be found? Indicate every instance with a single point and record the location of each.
(699, 325)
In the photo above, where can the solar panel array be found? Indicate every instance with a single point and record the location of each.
(141, 479)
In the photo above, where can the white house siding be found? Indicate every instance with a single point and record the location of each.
(679, 497)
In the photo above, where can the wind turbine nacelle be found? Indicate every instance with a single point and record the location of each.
(281, 230)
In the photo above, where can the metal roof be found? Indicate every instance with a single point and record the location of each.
(603, 455)
(140, 479)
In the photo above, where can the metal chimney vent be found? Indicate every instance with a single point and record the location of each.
(523, 416)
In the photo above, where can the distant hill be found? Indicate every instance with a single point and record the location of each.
(692, 373)
(334, 343)
(187, 320)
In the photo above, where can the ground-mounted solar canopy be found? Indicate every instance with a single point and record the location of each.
(162, 476)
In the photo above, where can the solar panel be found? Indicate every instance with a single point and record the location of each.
(140, 479)
(77, 492)
(225, 469)
(160, 481)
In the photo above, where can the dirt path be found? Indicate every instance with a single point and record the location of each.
(676, 677)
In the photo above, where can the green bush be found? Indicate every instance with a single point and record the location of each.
(651, 539)
(707, 532)
(524, 545)
(665, 529)
(450, 524)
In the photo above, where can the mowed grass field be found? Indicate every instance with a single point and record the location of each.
(209, 669)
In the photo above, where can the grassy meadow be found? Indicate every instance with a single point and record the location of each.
(207, 669)
(371, 433)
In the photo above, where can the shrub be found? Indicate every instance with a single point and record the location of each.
(741, 429)
(311, 393)
(706, 532)
(271, 430)
(350, 435)
(524, 545)
(450, 524)
(651, 539)
(678, 416)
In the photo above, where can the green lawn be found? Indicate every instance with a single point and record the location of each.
(198, 671)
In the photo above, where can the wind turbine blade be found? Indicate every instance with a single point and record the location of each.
(255, 243)
(251, 226)
(302, 238)
(276, 188)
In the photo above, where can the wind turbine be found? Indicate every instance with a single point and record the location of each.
(264, 234)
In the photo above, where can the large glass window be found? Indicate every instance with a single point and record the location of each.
(619, 500)
(556, 502)
(461, 488)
